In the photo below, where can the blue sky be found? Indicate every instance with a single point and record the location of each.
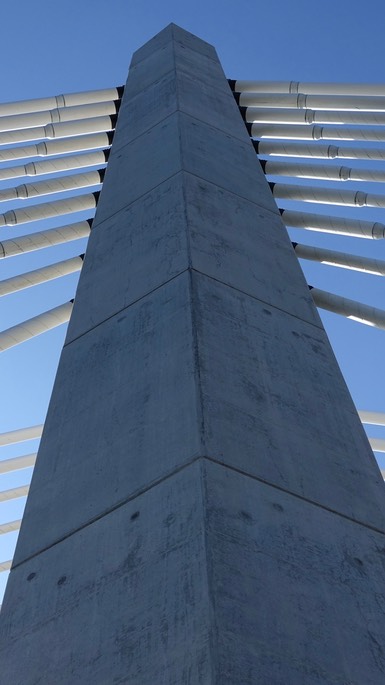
(51, 48)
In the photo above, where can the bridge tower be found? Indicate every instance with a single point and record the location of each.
(205, 507)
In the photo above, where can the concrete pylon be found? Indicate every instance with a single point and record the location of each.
(205, 507)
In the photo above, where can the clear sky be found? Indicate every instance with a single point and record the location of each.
(50, 48)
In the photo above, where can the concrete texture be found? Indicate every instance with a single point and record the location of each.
(290, 586)
(205, 508)
(125, 600)
(208, 577)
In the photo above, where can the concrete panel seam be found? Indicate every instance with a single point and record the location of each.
(172, 26)
(178, 109)
(276, 214)
(231, 192)
(192, 269)
(149, 190)
(181, 70)
(180, 273)
(144, 133)
(244, 143)
(175, 27)
(258, 299)
(149, 86)
(139, 94)
(367, 526)
(110, 510)
(179, 469)
(245, 140)
(119, 311)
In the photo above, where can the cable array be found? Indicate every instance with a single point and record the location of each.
(74, 132)
(279, 116)
(53, 155)
(301, 132)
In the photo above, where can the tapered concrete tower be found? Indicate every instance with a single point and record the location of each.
(205, 507)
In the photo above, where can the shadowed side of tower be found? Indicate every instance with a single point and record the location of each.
(205, 506)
